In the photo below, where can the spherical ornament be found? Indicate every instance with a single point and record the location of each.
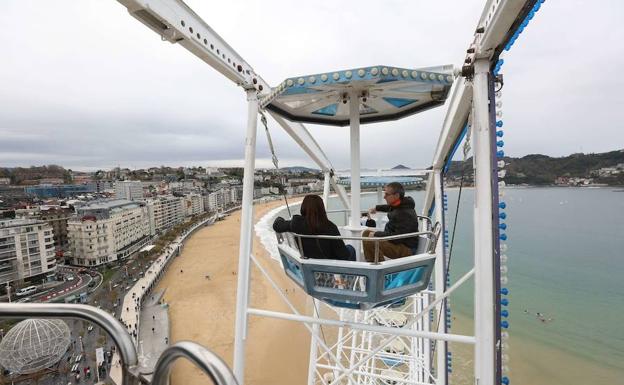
(33, 345)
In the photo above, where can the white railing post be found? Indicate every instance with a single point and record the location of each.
(242, 290)
(485, 355)
(354, 119)
(313, 344)
(440, 279)
(326, 190)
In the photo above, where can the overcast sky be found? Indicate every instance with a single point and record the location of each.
(86, 86)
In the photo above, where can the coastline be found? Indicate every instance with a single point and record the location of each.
(531, 361)
(202, 309)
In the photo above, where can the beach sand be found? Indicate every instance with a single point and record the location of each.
(203, 310)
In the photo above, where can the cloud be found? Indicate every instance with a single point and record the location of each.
(85, 85)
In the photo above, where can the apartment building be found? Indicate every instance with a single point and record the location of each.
(26, 250)
(193, 204)
(108, 230)
(165, 211)
(131, 190)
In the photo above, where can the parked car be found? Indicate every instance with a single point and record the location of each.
(26, 291)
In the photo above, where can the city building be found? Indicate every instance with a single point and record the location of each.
(193, 204)
(57, 218)
(218, 200)
(131, 190)
(59, 191)
(107, 230)
(26, 250)
(164, 212)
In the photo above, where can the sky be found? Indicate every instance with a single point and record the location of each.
(86, 86)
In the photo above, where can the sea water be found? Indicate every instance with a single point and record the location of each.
(566, 266)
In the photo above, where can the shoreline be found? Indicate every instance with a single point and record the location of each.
(201, 292)
(531, 360)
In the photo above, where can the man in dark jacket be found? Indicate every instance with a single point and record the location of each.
(402, 219)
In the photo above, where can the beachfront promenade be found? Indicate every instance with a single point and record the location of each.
(150, 344)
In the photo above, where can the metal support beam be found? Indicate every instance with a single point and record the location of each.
(302, 137)
(176, 22)
(246, 233)
(354, 118)
(360, 326)
(440, 281)
(326, 183)
(485, 354)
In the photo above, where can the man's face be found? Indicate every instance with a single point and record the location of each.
(390, 196)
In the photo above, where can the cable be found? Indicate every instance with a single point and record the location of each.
(263, 119)
(448, 266)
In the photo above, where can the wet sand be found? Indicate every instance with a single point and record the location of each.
(203, 309)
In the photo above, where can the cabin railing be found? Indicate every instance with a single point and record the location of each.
(203, 358)
(345, 212)
(432, 236)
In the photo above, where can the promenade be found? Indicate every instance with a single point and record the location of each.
(133, 304)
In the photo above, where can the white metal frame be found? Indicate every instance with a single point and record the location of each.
(175, 22)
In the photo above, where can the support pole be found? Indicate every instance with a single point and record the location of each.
(440, 279)
(326, 190)
(485, 354)
(315, 333)
(354, 120)
(242, 290)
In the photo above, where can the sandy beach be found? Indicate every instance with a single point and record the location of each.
(203, 309)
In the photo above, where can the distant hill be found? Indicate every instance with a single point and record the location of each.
(536, 169)
(33, 174)
(400, 167)
(299, 169)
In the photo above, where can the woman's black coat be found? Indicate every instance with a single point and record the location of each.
(314, 248)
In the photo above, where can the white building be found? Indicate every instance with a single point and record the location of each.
(193, 204)
(165, 211)
(105, 231)
(26, 250)
(129, 189)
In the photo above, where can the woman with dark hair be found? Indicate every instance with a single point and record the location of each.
(313, 221)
